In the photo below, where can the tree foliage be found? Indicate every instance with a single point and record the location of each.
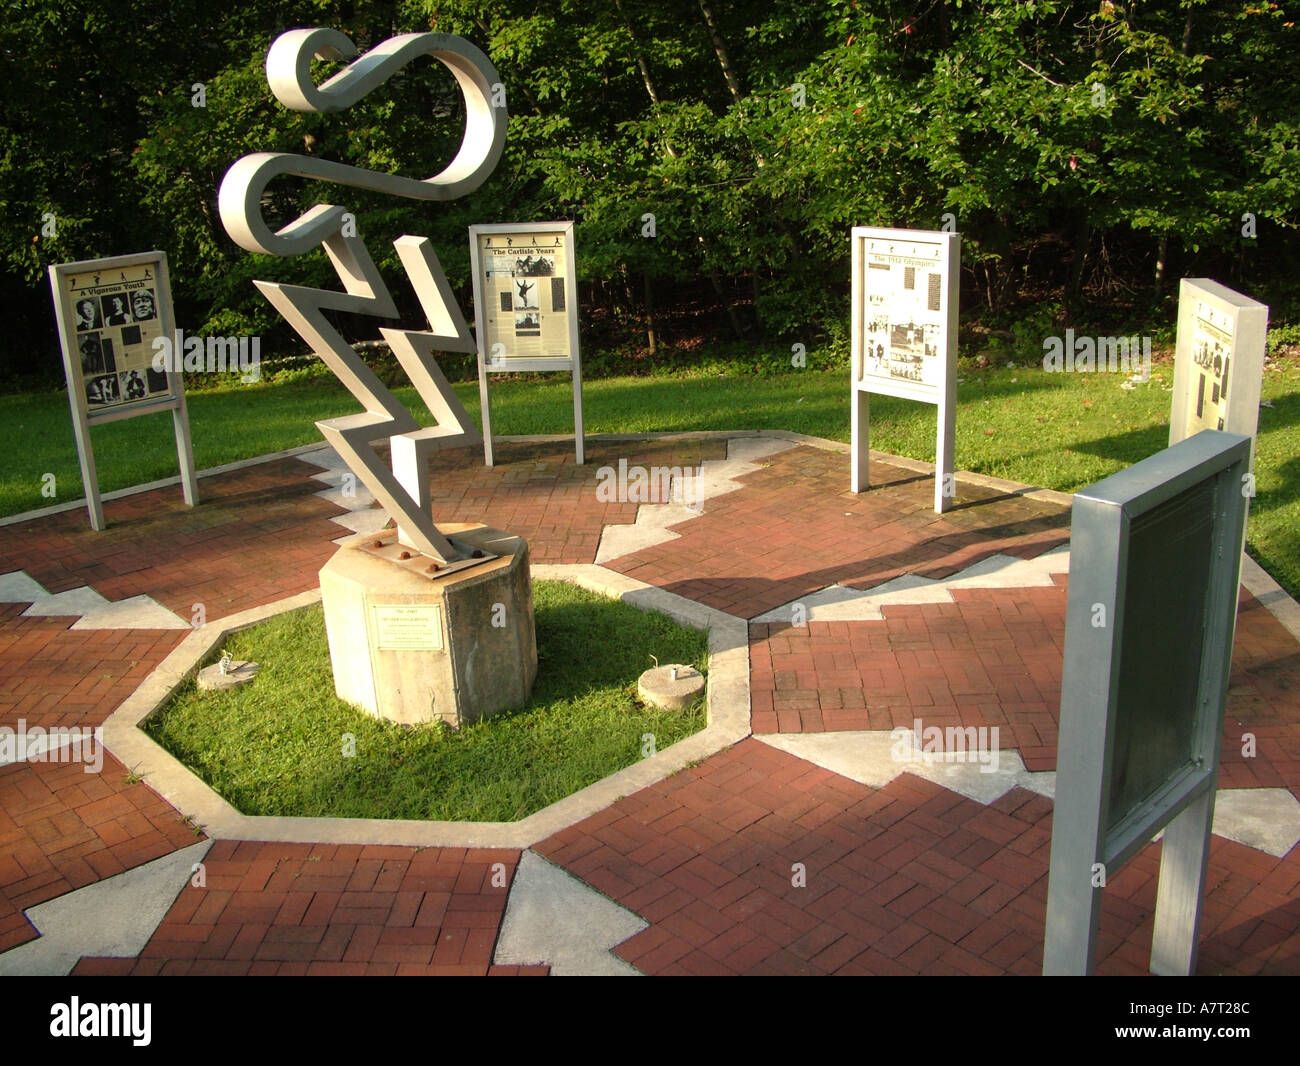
(1098, 148)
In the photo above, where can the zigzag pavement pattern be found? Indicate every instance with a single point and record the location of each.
(1267, 819)
(346, 491)
(1263, 818)
(839, 603)
(716, 477)
(91, 609)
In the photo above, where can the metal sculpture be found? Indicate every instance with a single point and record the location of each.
(403, 490)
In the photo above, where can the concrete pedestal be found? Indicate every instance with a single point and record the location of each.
(414, 649)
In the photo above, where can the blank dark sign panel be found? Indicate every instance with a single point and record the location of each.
(1143, 690)
(1166, 595)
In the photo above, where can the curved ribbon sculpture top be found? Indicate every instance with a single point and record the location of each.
(288, 72)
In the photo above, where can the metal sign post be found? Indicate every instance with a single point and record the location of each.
(110, 312)
(1155, 562)
(905, 296)
(526, 308)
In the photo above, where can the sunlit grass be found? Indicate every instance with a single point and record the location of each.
(278, 746)
(1059, 431)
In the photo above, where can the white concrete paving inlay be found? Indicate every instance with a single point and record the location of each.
(875, 758)
(840, 604)
(19, 587)
(49, 745)
(139, 612)
(345, 491)
(554, 919)
(90, 609)
(1267, 819)
(688, 493)
(113, 918)
(371, 520)
(76, 601)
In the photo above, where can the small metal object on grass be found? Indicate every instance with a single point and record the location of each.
(227, 674)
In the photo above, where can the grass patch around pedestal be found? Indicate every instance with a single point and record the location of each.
(278, 745)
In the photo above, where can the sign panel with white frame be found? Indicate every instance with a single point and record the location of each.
(110, 312)
(905, 297)
(1155, 562)
(526, 308)
(1219, 360)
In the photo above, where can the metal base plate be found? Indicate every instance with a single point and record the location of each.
(385, 545)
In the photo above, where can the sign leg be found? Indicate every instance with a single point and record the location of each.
(1183, 860)
(859, 448)
(945, 483)
(485, 409)
(579, 443)
(1073, 910)
(185, 452)
(89, 478)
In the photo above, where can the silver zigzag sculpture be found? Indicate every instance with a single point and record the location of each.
(404, 490)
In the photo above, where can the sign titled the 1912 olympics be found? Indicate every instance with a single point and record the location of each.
(904, 340)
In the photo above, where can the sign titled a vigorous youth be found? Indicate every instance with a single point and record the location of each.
(110, 313)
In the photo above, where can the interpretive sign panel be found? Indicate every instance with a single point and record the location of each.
(1219, 360)
(110, 312)
(905, 296)
(1155, 560)
(526, 307)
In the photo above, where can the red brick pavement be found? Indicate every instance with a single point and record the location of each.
(259, 535)
(62, 828)
(51, 675)
(993, 658)
(295, 909)
(798, 529)
(908, 879)
(539, 493)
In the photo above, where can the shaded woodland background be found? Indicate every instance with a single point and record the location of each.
(1090, 155)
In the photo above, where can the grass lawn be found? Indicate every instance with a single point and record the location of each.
(275, 747)
(1059, 431)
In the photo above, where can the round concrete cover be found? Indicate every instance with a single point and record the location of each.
(658, 688)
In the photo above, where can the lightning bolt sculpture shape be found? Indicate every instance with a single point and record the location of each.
(403, 490)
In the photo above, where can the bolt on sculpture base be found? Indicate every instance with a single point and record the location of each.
(413, 646)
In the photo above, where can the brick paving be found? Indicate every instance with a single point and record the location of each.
(62, 828)
(538, 492)
(907, 879)
(798, 529)
(910, 878)
(993, 658)
(259, 535)
(332, 910)
(52, 675)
